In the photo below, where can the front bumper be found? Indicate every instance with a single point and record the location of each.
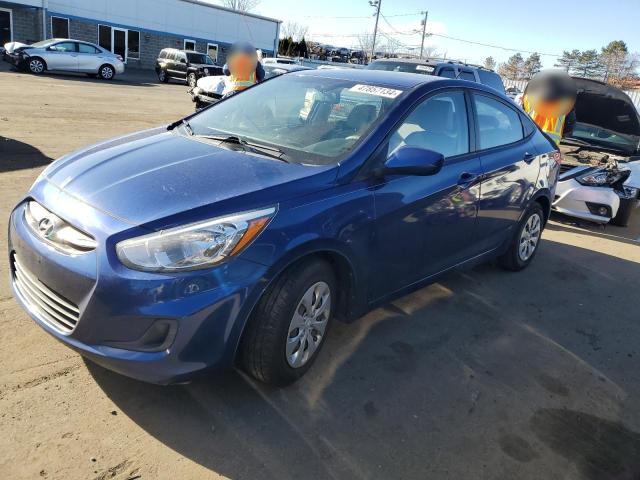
(203, 99)
(118, 307)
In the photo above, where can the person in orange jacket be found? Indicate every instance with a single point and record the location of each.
(549, 99)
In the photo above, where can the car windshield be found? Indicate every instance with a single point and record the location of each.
(407, 67)
(199, 58)
(603, 137)
(43, 43)
(313, 120)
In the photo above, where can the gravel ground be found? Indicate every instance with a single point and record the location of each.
(484, 375)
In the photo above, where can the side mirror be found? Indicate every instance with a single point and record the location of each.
(413, 161)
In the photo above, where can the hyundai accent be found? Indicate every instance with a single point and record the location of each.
(239, 234)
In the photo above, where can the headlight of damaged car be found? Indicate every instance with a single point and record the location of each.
(194, 246)
(600, 178)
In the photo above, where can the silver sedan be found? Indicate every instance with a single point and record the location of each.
(68, 56)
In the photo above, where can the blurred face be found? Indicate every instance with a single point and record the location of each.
(551, 94)
(242, 61)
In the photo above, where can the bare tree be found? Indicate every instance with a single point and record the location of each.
(365, 42)
(431, 51)
(490, 63)
(241, 5)
(293, 30)
(391, 47)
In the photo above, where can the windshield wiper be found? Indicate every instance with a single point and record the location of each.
(267, 150)
(182, 122)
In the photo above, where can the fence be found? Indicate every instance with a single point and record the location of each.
(634, 95)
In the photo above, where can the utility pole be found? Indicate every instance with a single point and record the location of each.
(375, 3)
(424, 32)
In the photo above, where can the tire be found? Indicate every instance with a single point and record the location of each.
(192, 80)
(36, 65)
(281, 341)
(106, 72)
(162, 76)
(525, 242)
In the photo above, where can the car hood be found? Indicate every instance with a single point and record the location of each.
(12, 46)
(607, 107)
(155, 174)
(213, 83)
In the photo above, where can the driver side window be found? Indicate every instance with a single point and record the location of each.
(438, 123)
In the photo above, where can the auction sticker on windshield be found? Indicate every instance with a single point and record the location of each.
(375, 90)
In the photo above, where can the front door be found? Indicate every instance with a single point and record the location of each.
(5, 26)
(426, 224)
(120, 43)
(62, 56)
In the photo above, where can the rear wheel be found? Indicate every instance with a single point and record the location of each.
(106, 72)
(192, 80)
(288, 328)
(37, 65)
(524, 245)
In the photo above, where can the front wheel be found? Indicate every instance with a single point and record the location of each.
(286, 332)
(37, 66)
(524, 244)
(162, 76)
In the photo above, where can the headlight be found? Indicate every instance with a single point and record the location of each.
(632, 192)
(599, 178)
(194, 246)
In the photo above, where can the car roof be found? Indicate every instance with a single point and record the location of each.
(390, 79)
(433, 62)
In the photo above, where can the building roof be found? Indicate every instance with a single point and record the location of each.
(220, 7)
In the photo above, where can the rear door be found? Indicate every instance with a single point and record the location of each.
(180, 65)
(510, 166)
(425, 224)
(89, 58)
(62, 56)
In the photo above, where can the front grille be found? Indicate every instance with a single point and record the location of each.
(48, 305)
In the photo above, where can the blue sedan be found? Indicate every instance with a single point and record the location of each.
(239, 234)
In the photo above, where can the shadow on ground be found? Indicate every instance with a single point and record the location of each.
(458, 380)
(15, 155)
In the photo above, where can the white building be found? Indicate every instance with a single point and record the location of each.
(138, 29)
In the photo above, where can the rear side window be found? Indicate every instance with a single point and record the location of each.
(439, 124)
(84, 48)
(171, 55)
(467, 75)
(527, 124)
(163, 54)
(447, 72)
(491, 79)
(498, 124)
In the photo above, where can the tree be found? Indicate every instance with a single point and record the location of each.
(490, 63)
(568, 60)
(302, 48)
(294, 30)
(589, 65)
(365, 42)
(532, 65)
(241, 5)
(513, 68)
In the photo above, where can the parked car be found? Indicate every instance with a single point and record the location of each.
(600, 181)
(278, 60)
(185, 65)
(210, 89)
(462, 71)
(65, 55)
(513, 92)
(238, 234)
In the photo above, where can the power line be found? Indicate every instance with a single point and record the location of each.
(364, 16)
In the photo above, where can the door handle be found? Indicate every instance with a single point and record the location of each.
(528, 157)
(467, 178)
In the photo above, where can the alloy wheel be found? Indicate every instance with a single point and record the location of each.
(106, 73)
(308, 325)
(191, 80)
(36, 66)
(530, 237)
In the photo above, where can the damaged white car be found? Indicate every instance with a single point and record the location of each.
(600, 176)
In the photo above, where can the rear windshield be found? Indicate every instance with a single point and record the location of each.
(491, 79)
(406, 67)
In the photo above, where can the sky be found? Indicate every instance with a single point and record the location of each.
(545, 26)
